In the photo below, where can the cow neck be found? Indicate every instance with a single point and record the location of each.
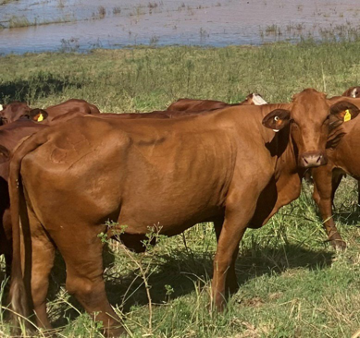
(287, 161)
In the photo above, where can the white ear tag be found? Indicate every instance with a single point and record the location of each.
(276, 130)
(1, 107)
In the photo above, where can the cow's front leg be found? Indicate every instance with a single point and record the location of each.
(231, 283)
(240, 209)
(325, 185)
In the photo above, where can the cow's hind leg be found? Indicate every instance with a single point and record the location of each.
(82, 253)
(325, 186)
(37, 270)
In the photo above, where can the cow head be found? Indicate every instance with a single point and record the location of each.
(13, 111)
(37, 115)
(310, 119)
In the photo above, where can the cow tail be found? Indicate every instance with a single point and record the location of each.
(18, 295)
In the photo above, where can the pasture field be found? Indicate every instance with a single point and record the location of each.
(292, 284)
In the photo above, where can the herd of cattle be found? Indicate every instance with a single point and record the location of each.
(68, 169)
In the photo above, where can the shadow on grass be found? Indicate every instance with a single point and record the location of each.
(348, 218)
(183, 269)
(37, 86)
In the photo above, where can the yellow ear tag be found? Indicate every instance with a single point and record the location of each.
(41, 118)
(347, 116)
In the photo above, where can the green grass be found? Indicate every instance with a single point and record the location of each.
(292, 284)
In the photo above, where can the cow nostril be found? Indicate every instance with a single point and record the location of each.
(305, 160)
(319, 159)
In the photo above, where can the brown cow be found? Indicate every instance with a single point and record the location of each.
(13, 111)
(223, 166)
(201, 105)
(343, 158)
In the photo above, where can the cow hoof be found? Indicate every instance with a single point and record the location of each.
(114, 332)
(338, 244)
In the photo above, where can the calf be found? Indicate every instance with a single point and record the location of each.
(201, 105)
(235, 166)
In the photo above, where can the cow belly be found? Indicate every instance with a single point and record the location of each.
(171, 202)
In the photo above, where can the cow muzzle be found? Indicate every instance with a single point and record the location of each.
(312, 159)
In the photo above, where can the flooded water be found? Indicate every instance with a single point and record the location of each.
(86, 24)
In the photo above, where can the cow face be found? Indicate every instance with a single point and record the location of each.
(310, 120)
(13, 111)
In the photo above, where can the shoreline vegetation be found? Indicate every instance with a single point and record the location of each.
(292, 284)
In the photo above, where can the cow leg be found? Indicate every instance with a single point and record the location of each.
(43, 255)
(240, 209)
(358, 193)
(38, 263)
(324, 190)
(84, 266)
(231, 279)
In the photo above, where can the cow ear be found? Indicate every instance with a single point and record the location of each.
(277, 119)
(38, 115)
(344, 111)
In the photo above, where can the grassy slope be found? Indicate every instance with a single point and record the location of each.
(291, 283)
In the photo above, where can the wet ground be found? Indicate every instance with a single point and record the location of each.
(51, 25)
